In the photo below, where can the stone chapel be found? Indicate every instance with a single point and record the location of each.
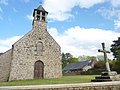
(35, 56)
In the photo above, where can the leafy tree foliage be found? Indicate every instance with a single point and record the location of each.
(112, 64)
(100, 57)
(67, 58)
(102, 64)
(115, 49)
(84, 57)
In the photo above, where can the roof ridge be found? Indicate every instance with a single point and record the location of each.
(41, 8)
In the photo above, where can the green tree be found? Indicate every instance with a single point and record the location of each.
(73, 60)
(64, 61)
(84, 57)
(67, 58)
(102, 64)
(113, 64)
(115, 49)
(100, 57)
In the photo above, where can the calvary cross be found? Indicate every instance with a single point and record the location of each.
(105, 56)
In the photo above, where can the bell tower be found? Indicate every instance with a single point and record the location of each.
(40, 14)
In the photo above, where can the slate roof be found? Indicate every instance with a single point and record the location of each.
(1, 53)
(77, 65)
(41, 9)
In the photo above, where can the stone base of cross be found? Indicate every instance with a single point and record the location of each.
(108, 75)
(111, 73)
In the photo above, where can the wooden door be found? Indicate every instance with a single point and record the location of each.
(38, 70)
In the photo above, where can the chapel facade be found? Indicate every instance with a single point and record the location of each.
(35, 56)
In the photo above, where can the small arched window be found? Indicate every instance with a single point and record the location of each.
(39, 47)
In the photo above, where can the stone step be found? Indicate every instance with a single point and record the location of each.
(109, 73)
(101, 80)
(105, 74)
(102, 77)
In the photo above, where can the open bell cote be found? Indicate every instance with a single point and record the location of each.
(40, 14)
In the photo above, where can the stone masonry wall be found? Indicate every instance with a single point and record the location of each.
(25, 54)
(5, 63)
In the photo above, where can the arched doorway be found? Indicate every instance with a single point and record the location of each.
(38, 70)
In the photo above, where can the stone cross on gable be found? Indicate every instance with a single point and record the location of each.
(105, 56)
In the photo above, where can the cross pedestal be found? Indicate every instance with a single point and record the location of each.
(108, 75)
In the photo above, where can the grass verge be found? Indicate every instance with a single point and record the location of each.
(63, 80)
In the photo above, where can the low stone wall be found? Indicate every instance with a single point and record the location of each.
(83, 86)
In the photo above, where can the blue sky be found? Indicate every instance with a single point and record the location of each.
(79, 26)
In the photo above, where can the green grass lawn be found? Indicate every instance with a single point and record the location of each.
(63, 80)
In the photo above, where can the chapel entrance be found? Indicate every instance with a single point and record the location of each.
(38, 70)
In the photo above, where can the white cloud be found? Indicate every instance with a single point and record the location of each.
(60, 16)
(4, 2)
(111, 14)
(6, 44)
(26, 1)
(1, 10)
(108, 13)
(15, 10)
(115, 3)
(89, 3)
(82, 41)
(60, 10)
(30, 17)
(117, 24)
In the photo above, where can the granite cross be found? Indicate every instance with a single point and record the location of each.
(105, 56)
